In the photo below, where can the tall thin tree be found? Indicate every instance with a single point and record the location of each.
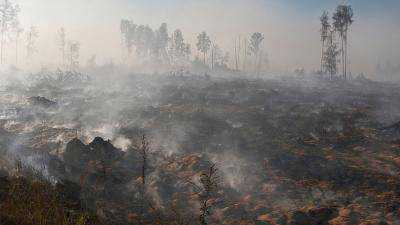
(143, 149)
(62, 44)
(245, 53)
(236, 58)
(8, 16)
(209, 181)
(161, 44)
(31, 37)
(178, 50)
(342, 20)
(239, 49)
(74, 54)
(256, 40)
(128, 32)
(17, 30)
(203, 44)
(325, 30)
(330, 56)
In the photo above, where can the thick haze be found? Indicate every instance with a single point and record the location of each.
(291, 27)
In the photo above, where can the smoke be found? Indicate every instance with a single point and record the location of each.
(122, 143)
(236, 170)
(33, 163)
(227, 121)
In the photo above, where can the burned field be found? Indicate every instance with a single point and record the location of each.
(285, 150)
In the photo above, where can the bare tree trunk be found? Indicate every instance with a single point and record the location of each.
(212, 58)
(245, 55)
(322, 56)
(2, 48)
(345, 54)
(343, 59)
(259, 63)
(203, 214)
(255, 63)
(239, 50)
(63, 58)
(236, 58)
(143, 151)
(3, 30)
(16, 52)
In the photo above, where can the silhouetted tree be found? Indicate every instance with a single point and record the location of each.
(161, 42)
(178, 50)
(214, 47)
(62, 43)
(144, 39)
(256, 40)
(219, 58)
(128, 29)
(17, 30)
(140, 36)
(342, 19)
(245, 52)
(330, 56)
(325, 32)
(209, 181)
(177, 43)
(31, 38)
(143, 149)
(153, 44)
(238, 50)
(8, 16)
(73, 53)
(203, 44)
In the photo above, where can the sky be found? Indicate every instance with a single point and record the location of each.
(291, 27)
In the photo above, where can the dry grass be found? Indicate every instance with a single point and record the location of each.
(37, 202)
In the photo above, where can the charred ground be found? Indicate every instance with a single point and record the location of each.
(288, 150)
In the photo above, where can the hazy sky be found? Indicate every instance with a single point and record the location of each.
(290, 26)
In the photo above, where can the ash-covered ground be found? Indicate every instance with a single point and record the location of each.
(288, 150)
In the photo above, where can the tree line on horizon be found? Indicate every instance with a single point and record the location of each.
(156, 45)
(11, 32)
(172, 49)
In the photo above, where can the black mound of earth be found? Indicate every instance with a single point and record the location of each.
(41, 101)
